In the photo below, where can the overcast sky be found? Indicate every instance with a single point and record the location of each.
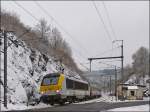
(130, 21)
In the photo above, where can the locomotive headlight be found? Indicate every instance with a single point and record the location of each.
(42, 92)
(57, 91)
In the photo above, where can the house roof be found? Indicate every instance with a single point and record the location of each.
(132, 87)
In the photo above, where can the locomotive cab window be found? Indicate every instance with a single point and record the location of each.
(50, 81)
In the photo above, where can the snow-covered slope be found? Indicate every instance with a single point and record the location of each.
(133, 79)
(26, 68)
(141, 81)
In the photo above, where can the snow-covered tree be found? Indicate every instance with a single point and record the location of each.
(141, 61)
(43, 29)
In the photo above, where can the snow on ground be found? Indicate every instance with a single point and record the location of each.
(92, 101)
(24, 107)
(109, 99)
(142, 81)
(112, 99)
(142, 108)
(104, 98)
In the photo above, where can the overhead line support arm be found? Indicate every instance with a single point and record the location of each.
(105, 58)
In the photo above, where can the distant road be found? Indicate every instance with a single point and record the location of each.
(88, 107)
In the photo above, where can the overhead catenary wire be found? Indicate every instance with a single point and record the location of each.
(52, 18)
(112, 61)
(26, 11)
(101, 19)
(105, 27)
(109, 20)
(102, 53)
(109, 64)
(84, 66)
(79, 58)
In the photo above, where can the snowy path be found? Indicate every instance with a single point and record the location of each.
(145, 108)
(110, 99)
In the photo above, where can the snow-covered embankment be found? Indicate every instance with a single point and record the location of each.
(26, 68)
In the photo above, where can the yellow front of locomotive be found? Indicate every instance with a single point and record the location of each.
(51, 87)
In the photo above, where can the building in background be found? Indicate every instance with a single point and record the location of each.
(130, 91)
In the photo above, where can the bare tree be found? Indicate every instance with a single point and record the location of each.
(128, 71)
(141, 64)
(56, 39)
(43, 29)
(141, 61)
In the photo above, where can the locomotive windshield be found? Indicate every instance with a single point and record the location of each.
(50, 80)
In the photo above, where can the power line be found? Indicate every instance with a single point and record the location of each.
(109, 64)
(107, 51)
(100, 16)
(26, 11)
(105, 63)
(81, 63)
(51, 17)
(44, 11)
(109, 20)
(84, 66)
(112, 61)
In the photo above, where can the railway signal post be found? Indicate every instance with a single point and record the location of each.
(116, 94)
(5, 69)
(4, 33)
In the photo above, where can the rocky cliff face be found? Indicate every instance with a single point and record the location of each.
(26, 67)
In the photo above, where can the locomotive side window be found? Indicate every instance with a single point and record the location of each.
(86, 86)
(69, 84)
(72, 84)
(81, 86)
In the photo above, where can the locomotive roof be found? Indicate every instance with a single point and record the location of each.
(69, 77)
(52, 74)
(76, 79)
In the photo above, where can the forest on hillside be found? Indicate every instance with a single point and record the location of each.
(140, 65)
(42, 37)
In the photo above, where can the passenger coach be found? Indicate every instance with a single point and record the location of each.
(59, 88)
